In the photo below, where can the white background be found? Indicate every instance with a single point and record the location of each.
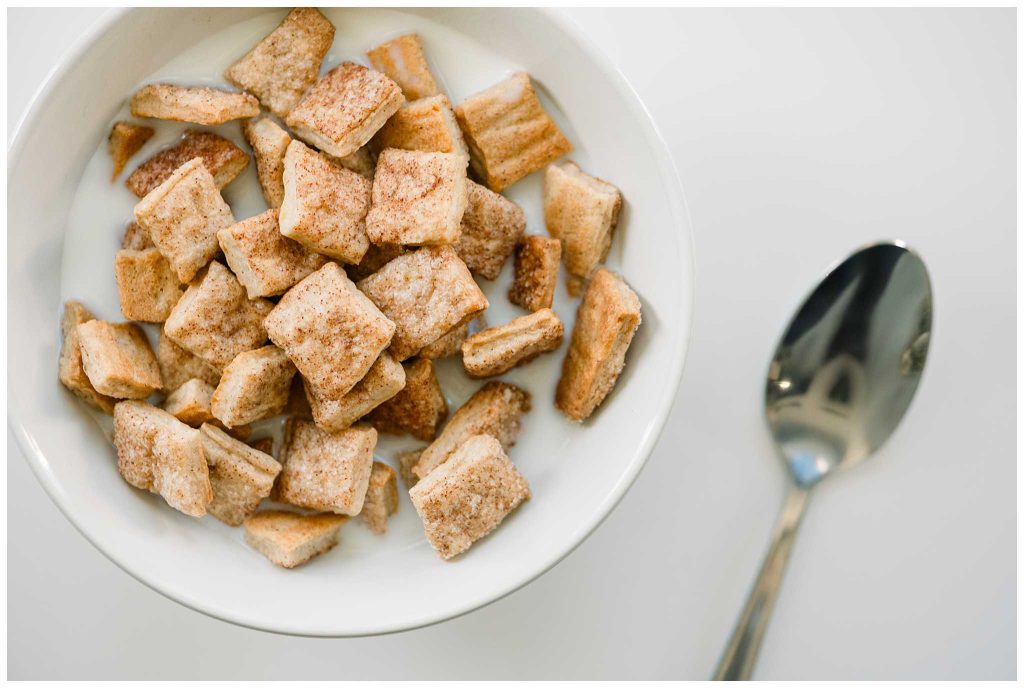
(799, 135)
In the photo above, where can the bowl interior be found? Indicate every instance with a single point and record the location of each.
(66, 220)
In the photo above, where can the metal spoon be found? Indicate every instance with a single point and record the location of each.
(838, 385)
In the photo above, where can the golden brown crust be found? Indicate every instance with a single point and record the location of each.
(381, 498)
(190, 403)
(254, 386)
(240, 476)
(198, 104)
(326, 471)
(495, 409)
(289, 539)
(178, 366)
(344, 109)
(508, 132)
(118, 360)
(263, 444)
(403, 60)
(468, 496)
(426, 293)
(607, 319)
(418, 198)
(418, 408)
(222, 158)
(581, 211)
(286, 62)
(124, 141)
(536, 272)
(71, 371)
(385, 379)
(330, 330)
(427, 124)
(269, 143)
(147, 287)
(491, 226)
(498, 349)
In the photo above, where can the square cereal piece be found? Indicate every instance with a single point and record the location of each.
(381, 498)
(384, 380)
(326, 471)
(406, 461)
(536, 272)
(495, 409)
(580, 211)
(124, 141)
(427, 124)
(178, 366)
(508, 132)
(402, 59)
(190, 404)
(159, 453)
(344, 109)
(330, 330)
(222, 158)
(286, 62)
(418, 408)
(426, 293)
(240, 476)
(183, 216)
(325, 205)
(135, 237)
(118, 360)
(498, 349)
(147, 286)
(491, 227)
(72, 372)
(418, 198)
(377, 256)
(289, 539)
(469, 496)
(254, 386)
(263, 444)
(269, 143)
(447, 344)
(264, 261)
(606, 321)
(198, 104)
(215, 320)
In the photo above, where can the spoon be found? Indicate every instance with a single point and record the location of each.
(838, 384)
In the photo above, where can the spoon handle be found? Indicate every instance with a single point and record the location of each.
(737, 662)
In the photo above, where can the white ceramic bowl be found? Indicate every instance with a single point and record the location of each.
(64, 228)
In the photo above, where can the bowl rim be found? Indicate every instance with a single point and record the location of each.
(683, 335)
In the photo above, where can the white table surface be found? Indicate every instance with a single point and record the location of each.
(798, 135)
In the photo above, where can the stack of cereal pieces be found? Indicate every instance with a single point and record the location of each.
(331, 306)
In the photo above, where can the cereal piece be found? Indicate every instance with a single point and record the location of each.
(508, 132)
(418, 198)
(263, 444)
(265, 262)
(178, 366)
(240, 476)
(607, 319)
(289, 539)
(326, 471)
(159, 453)
(427, 124)
(344, 109)
(536, 272)
(183, 216)
(384, 380)
(286, 62)
(269, 143)
(491, 227)
(124, 141)
(406, 461)
(190, 403)
(198, 104)
(426, 293)
(376, 257)
(381, 498)
(402, 59)
(118, 360)
(222, 158)
(147, 287)
(580, 211)
(495, 409)
(215, 320)
(330, 330)
(418, 408)
(447, 344)
(325, 205)
(72, 372)
(468, 496)
(254, 386)
(136, 238)
(498, 349)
